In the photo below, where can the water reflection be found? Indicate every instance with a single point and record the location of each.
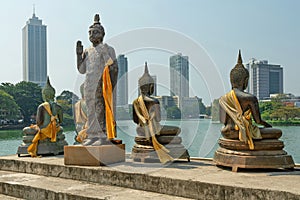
(10, 134)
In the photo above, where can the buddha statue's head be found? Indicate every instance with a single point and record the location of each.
(146, 82)
(48, 92)
(239, 75)
(96, 31)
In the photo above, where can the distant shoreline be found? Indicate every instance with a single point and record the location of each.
(284, 123)
(12, 127)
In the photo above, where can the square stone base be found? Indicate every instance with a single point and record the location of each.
(94, 155)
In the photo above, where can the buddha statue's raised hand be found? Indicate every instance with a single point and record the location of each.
(79, 48)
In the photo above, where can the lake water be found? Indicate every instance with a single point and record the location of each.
(199, 137)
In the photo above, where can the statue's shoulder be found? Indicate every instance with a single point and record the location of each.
(41, 107)
(155, 100)
(245, 95)
(44, 104)
(110, 49)
(108, 46)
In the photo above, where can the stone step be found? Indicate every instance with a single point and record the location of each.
(198, 179)
(6, 197)
(31, 186)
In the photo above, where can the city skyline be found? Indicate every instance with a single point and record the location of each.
(219, 28)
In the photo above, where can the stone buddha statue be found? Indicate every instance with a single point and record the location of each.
(245, 145)
(237, 108)
(98, 63)
(47, 128)
(152, 136)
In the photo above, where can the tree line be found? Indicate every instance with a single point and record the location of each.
(278, 109)
(21, 100)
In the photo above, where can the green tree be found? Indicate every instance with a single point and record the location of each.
(66, 100)
(8, 107)
(27, 95)
(9, 88)
(276, 110)
(68, 96)
(66, 106)
(286, 113)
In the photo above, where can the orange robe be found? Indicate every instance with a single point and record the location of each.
(243, 122)
(151, 128)
(49, 131)
(108, 98)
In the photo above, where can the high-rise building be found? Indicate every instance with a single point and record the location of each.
(264, 78)
(122, 84)
(179, 75)
(34, 39)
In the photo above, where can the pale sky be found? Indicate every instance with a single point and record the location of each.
(211, 33)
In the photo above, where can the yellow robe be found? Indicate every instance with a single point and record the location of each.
(150, 126)
(243, 122)
(48, 132)
(108, 98)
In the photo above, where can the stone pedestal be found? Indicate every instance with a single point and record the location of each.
(94, 155)
(268, 153)
(143, 150)
(45, 147)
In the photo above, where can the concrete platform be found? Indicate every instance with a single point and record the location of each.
(198, 179)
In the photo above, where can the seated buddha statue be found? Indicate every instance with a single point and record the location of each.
(237, 108)
(147, 116)
(48, 119)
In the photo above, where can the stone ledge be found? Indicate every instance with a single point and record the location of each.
(197, 179)
(37, 187)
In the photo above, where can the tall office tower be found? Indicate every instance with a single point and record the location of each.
(122, 84)
(179, 75)
(34, 39)
(265, 79)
